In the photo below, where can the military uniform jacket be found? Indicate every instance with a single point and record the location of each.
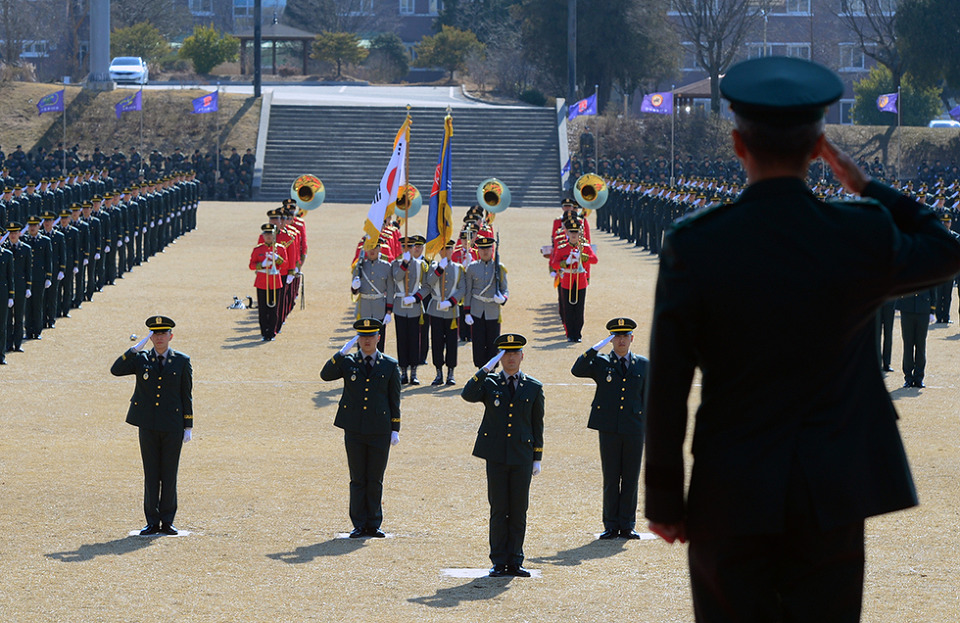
(41, 259)
(375, 296)
(409, 277)
(922, 302)
(161, 401)
(6, 277)
(443, 284)
(480, 288)
(370, 405)
(618, 403)
(805, 386)
(22, 266)
(511, 431)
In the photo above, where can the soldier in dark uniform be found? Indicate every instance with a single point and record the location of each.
(617, 414)
(162, 408)
(510, 439)
(7, 293)
(369, 414)
(84, 256)
(917, 311)
(944, 292)
(58, 257)
(72, 263)
(95, 247)
(40, 276)
(795, 438)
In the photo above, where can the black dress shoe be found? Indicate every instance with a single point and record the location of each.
(887, 369)
(356, 533)
(517, 571)
(169, 530)
(609, 534)
(919, 384)
(375, 533)
(629, 534)
(498, 571)
(908, 384)
(150, 530)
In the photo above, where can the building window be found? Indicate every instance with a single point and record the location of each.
(407, 7)
(710, 5)
(846, 112)
(34, 49)
(797, 6)
(852, 57)
(434, 7)
(689, 62)
(242, 8)
(755, 50)
(360, 7)
(200, 7)
(798, 50)
(859, 7)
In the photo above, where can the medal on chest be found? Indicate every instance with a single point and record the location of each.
(609, 377)
(496, 402)
(353, 377)
(146, 375)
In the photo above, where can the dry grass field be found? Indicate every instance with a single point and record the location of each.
(263, 486)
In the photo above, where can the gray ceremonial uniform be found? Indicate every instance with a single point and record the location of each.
(479, 290)
(376, 288)
(444, 284)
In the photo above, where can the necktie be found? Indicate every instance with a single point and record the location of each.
(623, 365)
(160, 359)
(368, 360)
(512, 382)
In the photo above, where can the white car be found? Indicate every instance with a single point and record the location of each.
(944, 123)
(129, 69)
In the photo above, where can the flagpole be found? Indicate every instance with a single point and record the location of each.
(596, 88)
(899, 133)
(218, 131)
(140, 172)
(406, 189)
(64, 150)
(673, 123)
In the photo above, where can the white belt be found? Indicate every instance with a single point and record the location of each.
(372, 297)
(485, 299)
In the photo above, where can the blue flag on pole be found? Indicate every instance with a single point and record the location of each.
(440, 221)
(659, 103)
(205, 103)
(586, 106)
(130, 102)
(51, 103)
(888, 102)
(955, 113)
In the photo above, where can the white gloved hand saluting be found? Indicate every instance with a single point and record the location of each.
(444, 305)
(387, 319)
(355, 284)
(602, 343)
(493, 362)
(443, 262)
(468, 319)
(409, 300)
(349, 345)
(394, 438)
(499, 299)
(536, 467)
(187, 434)
(143, 342)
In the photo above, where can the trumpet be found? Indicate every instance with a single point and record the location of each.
(273, 293)
(573, 294)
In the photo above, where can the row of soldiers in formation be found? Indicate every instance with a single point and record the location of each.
(66, 256)
(278, 259)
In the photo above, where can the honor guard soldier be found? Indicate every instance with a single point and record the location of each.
(7, 292)
(267, 258)
(373, 287)
(58, 250)
(72, 255)
(444, 285)
(419, 243)
(795, 437)
(571, 260)
(369, 414)
(407, 274)
(162, 409)
(96, 241)
(510, 440)
(40, 276)
(485, 291)
(617, 414)
(84, 257)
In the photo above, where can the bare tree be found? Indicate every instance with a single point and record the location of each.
(357, 16)
(171, 17)
(873, 22)
(716, 29)
(17, 28)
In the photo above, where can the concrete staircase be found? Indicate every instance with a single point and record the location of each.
(349, 148)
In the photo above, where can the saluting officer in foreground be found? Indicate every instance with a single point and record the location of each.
(510, 439)
(796, 438)
(369, 414)
(617, 414)
(162, 408)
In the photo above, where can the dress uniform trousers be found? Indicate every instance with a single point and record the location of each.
(66, 294)
(885, 333)
(620, 460)
(267, 315)
(508, 491)
(572, 313)
(484, 334)
(15, 325)
(367, 461)
(444, 340)
(944, 294)
(408, 340)
(913, 328)
(160, 453)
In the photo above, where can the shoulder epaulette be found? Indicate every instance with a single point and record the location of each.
(856, 202)
(688, 220)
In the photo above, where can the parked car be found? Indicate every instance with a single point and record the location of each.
(129, 69)
(944, 123)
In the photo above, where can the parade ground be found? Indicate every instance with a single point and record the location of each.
(263, 486)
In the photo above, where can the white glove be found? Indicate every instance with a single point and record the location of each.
(188, 435)
(444, 305)
(151, 224)
(602, 343)
(394, 438)
(265, 263)
(409, 300)
(355, 284)
(119, 243)
(96, 256)
(9, 302)
(553, 274)
(106, 249)
(168, 219)
(126, 238)
(387, 319)
(144, 229)
(573, 258)
(349, 345)
(47, 283)
(60, 276)
(290, 278)
(468, 319)
(932, 317)
(443, 262)
(406, 257)
(499, 299)
(86, 261)
(75, 270)
(489, 366)
(143, 342)
(29, 294)
(536, 466)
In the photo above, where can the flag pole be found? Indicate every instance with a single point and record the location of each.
(63, 170)
(406, 218)
(217, 117)
(596, 88)
(899, 133)
(140, 172)
(673, 123)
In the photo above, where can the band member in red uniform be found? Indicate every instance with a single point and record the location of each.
(268, 258)
(572, 263)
